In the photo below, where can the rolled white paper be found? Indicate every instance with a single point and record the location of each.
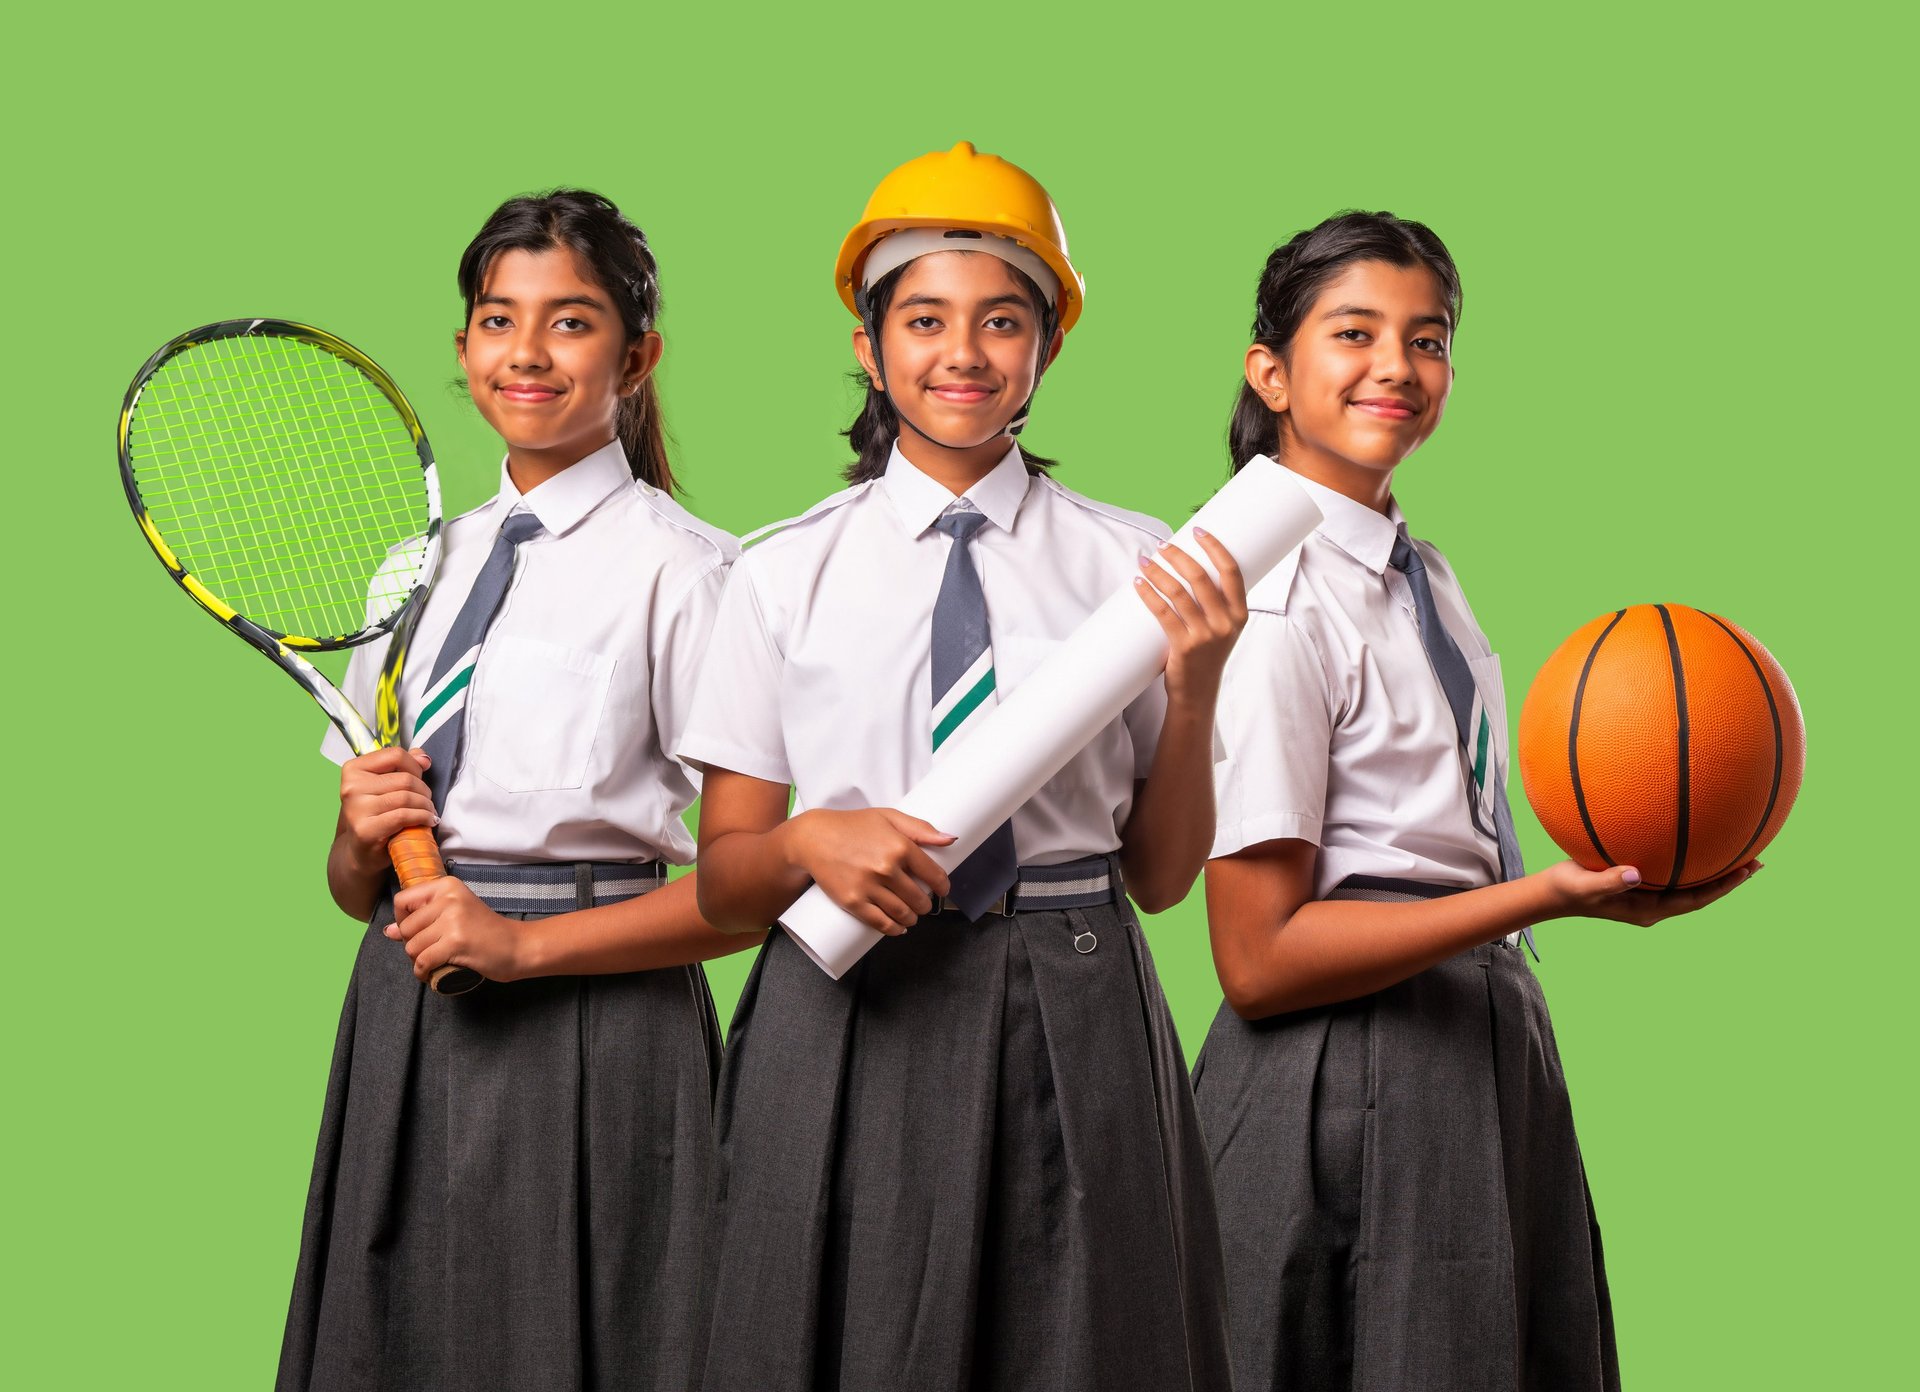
(993, 767)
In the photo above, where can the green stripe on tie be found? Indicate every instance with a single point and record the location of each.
(1480, 755)
(447, 693)
(967, 704)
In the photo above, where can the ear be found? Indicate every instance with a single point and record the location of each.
(460, 348)
(1267, 375)
(863, 350)
(1053, 349)
(643, 356)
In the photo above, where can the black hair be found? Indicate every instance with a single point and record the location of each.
(616, 253)
(1294, 276)
(877, 425)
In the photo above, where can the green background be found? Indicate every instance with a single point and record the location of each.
(1685, 373)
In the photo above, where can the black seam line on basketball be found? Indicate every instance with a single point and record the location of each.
(1684, 791)
(1779, 746)
(1573, 739)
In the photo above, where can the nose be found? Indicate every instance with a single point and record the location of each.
(528, 348)
(1391, 361)
(964, 347)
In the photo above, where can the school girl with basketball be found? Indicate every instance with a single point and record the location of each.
(972, 1161)
(1401, 1195)
(511, 1186)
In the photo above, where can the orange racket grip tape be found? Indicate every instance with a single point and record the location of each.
(416, 859)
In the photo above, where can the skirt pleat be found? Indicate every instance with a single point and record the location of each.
(1401, 1193)
(971, 1163)
(511, 1187)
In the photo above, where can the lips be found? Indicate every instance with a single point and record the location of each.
(529, 393)
(961, 393)
(1387, 408)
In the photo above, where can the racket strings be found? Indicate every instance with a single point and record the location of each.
(284, 480)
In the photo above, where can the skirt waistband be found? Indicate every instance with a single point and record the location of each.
(559, 886)
(1074, 884)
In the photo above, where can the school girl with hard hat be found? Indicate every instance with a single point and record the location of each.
(972, 1161)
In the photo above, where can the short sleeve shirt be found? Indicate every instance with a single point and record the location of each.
(820, 676)
(1336, 730)
(587, 675)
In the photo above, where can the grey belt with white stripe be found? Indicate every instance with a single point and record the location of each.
(559, 887)
(1076, 884)
(1382, 889)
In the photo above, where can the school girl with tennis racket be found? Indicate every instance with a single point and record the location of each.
(972, 1161)
(512, 1185)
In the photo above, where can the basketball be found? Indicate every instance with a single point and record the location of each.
(1663, 738)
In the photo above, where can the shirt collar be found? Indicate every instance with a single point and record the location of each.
(919, 499)
(563, 500)
(1355, 528)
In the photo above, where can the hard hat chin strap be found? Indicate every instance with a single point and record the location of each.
(1049, 321)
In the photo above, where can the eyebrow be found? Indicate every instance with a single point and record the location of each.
(1361, 312)
(937, 302)
(586, 300)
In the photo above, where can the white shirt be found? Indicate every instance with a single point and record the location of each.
(820, 674)
(586, 676)
(1336, 730)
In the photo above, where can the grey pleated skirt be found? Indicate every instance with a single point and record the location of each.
(511, 1187)
(1401, 1196)
(971, 1163)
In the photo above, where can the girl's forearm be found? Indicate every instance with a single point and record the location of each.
(661, 929)
(354, 885)
(747, 879)
(1335, 950)
(1170, 829)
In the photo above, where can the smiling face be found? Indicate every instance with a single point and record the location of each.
(961, 347)
(547, 358)
(1364, 381)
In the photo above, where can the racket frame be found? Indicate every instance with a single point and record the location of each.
(415, 856)
(285, 649)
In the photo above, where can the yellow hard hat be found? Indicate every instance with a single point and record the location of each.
(962, 189)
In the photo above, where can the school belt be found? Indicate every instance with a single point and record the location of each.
(1384, 889)
(1074, 884)
(559, 886)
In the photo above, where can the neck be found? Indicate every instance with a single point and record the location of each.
(956, 470)
(1367, 486)
(529, 468)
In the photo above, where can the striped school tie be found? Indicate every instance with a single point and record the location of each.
(441, 725)
(963, 692)
(1486, 780)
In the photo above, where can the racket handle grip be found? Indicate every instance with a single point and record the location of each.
(416, 856)
(416, 859)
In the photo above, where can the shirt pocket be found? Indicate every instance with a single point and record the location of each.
(541, 707)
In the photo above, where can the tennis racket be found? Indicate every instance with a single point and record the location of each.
(285, 483)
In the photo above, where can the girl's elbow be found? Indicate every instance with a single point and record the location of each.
(1245, 998)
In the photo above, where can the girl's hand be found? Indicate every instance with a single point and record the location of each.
(381, 794)
(871, 863)
(1614, 894)
(1202, 618)
(443, 921)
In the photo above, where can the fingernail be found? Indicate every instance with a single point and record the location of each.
(1201, 532)
(434, 822)
(1632, 877)
(1140, 580)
